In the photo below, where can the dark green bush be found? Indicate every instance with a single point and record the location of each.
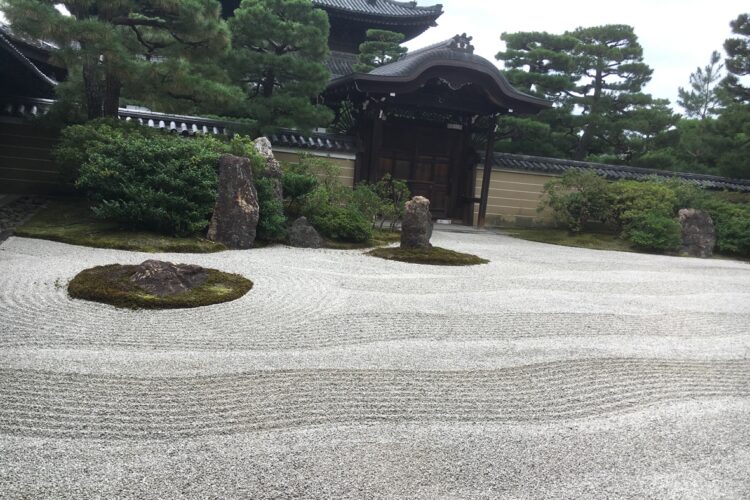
(163, 183)
(343, 224)
(394, 194)
(79, 142)
(634, 200)
(732, 221)
(577, 198)
(654, 231)
(271, 225)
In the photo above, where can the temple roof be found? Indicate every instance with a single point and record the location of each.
(382, 8)
(19, 73)
(443, 61)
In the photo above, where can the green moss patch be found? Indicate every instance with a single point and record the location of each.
(70, 221)
(111, 285)
(380, 238)
(434, 256)
(592, 241)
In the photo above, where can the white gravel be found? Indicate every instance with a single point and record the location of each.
(550, 372)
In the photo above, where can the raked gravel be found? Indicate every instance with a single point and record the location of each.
(550, 372)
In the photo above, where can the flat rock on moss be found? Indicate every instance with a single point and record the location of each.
(157, 285)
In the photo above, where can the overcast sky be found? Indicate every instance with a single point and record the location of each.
(677, 35)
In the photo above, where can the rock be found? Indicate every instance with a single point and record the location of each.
(303, 235)
(236, 213)
(416, 228)
(272, 169)
(164, 278)
(698, 233)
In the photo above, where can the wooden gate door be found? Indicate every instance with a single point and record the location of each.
(426, 159)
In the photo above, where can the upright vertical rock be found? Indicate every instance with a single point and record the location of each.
(698, 233)
(236, 213)
(416, 228)
(272, 169)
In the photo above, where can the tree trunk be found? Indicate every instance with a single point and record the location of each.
(102, 91)
(584, 144)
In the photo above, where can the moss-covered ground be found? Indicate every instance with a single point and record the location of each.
(111, 285)
(380, 237)
(69, 220)
(593, 241)
(434, 256)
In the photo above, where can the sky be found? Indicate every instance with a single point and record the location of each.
(677, 35)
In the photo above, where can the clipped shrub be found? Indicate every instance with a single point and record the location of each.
(368, 202)
(163, 183)
(634, 200)
(654, 231)
(732, 221)
(394, 194)
(343, 224)
(79, 142)
(272, 221)
(577, 198)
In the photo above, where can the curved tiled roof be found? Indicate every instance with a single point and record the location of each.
(384, 8)
(456, 52)
(557, 166)
(6, 45)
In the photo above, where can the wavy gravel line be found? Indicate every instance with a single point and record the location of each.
(73, 406)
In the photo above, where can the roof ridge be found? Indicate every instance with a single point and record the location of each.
(625, 168)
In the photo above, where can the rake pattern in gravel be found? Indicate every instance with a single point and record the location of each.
(347, 376)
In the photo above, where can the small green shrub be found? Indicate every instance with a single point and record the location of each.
(635, 200)
(272, 221)
(79, 142)
(732, 221)
(163, 183)
(343, 224)
(577, 198)
(394, 194)
(654, 231)
(367, 201)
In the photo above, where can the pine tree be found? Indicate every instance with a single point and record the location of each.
(738, 63)
(159, 53)
(381, 47)
(703, 101)
(595, 77)
(279, 49)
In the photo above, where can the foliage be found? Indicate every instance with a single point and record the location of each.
(343, 224)
(368, 202)
(703, 100)
(395, 194)
(654, 231)
(297, 186)
(381, 47)
(577, 198)
(738, 63)
(595, 78)
(272, 221)
(78, 142)
(71, 221)
(732, 221)
(162, 183)
(278, 55)
(158, 53)
(631, 201)
(111, 285)
(434, 256)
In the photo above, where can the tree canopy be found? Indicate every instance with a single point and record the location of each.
(381, 47)
(279, 49)
(160, 53)
(703, 100)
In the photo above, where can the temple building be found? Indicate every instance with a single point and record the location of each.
(427, 118)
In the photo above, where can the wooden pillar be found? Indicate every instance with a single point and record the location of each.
(488, 160)
(376, 143)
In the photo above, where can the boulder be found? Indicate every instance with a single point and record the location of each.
(164, 278)
(272, 170)
(416, 228)
(236, 213)
(698, 233)
(303, 235)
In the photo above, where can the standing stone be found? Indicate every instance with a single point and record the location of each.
(164, 278)
(698, 233)
(236, 213)
(272, 169)
(303, 235)
(416, 228)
